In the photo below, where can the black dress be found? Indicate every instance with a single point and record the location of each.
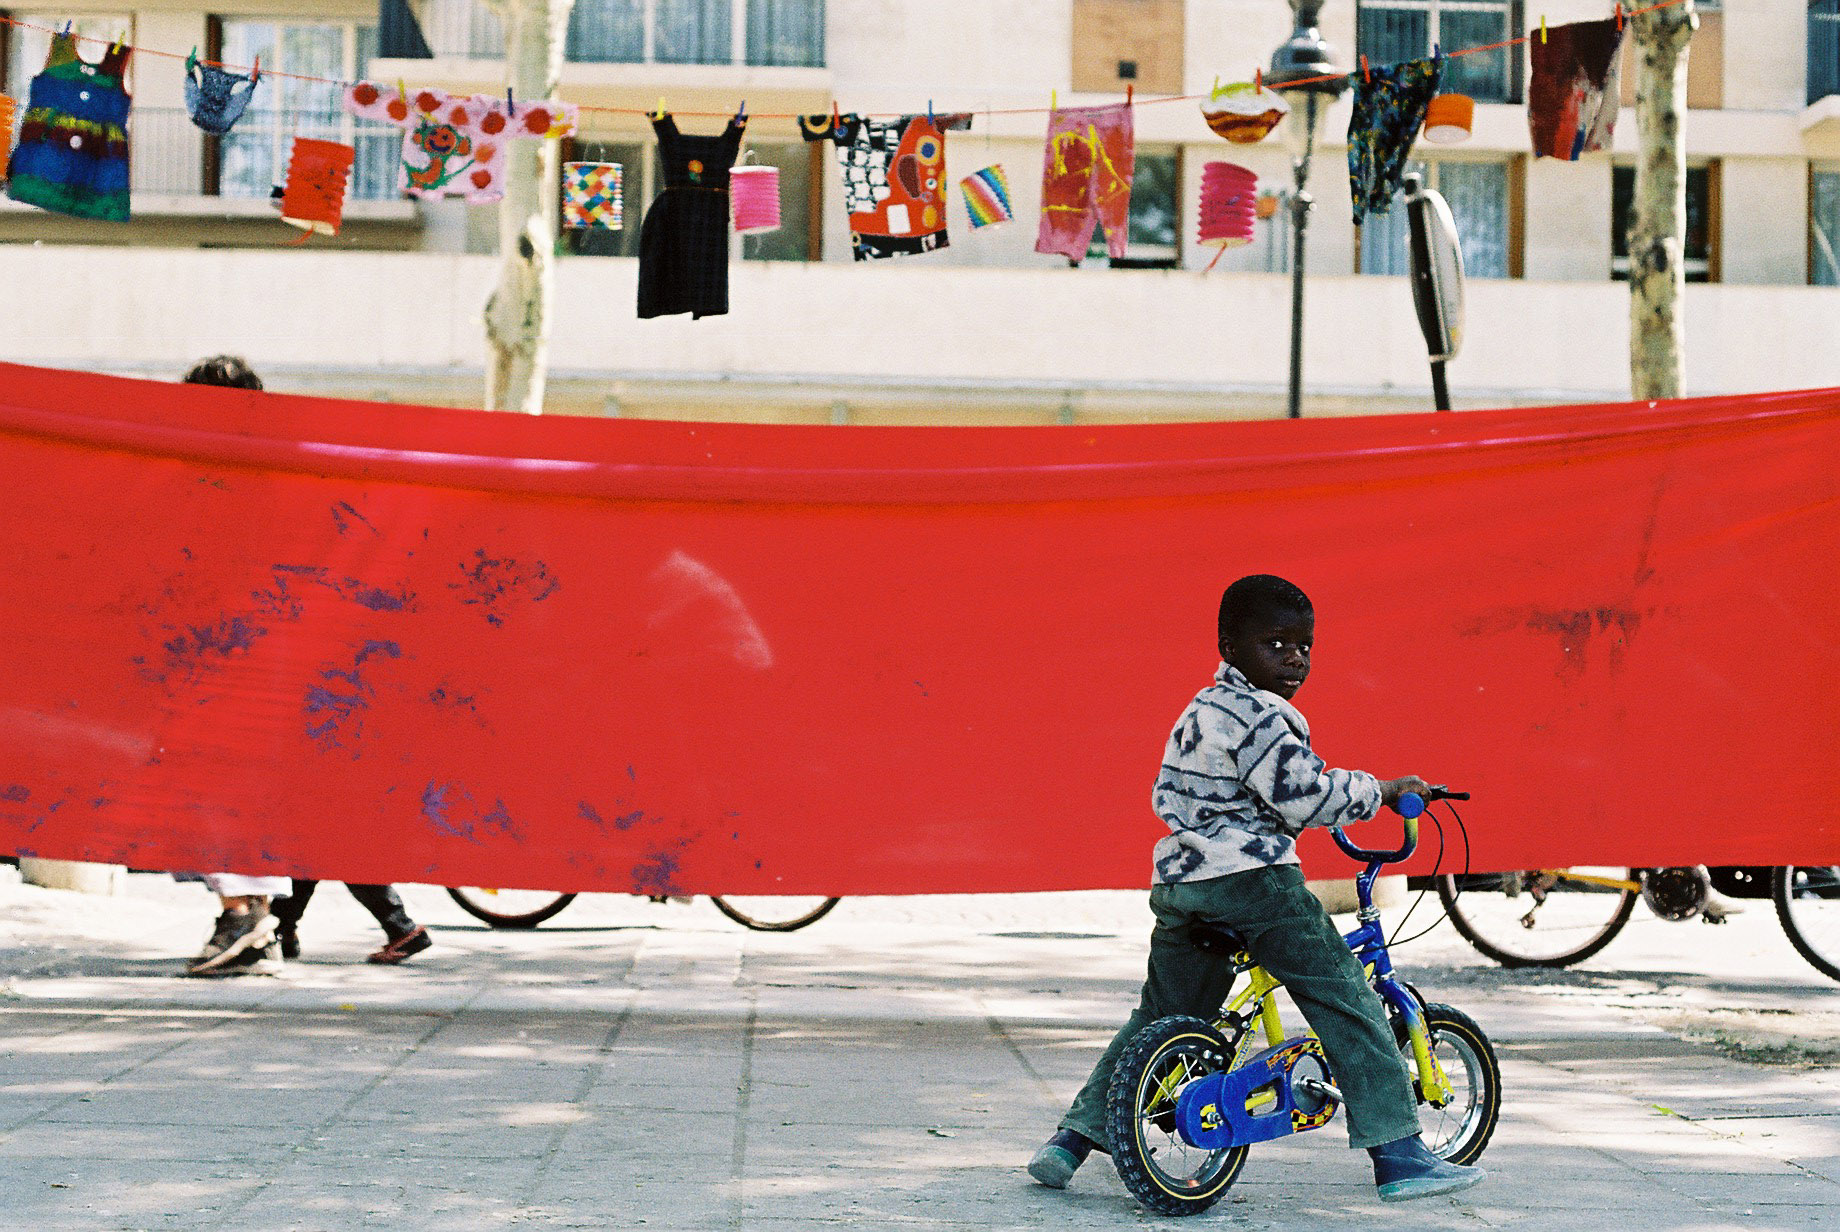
(683, 243)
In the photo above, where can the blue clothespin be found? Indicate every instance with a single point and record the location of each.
(510, 104)
(929, 111)
(741, 111)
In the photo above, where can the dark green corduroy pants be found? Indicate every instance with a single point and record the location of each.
(1294, 939)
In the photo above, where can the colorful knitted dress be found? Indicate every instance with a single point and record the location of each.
(73, 146)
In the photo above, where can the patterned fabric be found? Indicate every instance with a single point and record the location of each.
(73, 145)
(454, 146)
(683, 242)
(1239, 783)
(1086, 180)
(215, 97)
(591, 196)
(987, 197)
(894, 179)
(1389, 109)
(1573, 93)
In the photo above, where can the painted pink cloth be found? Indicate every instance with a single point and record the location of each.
(454, 145)
(1086, 179)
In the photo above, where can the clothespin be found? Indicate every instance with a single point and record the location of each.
(836, 118)
(402, 88)
(659, 114)
(1130, 88)
(1437, 52)
(255, 72)
(1619, 16)
(510, 102)
(1258, 81)
(1366, 73)
(67, 27)
(929, 111)
(741, 111)
(1542, 27)
(1054, 100)
(191, 61)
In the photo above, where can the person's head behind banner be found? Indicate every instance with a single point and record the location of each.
(226, 370)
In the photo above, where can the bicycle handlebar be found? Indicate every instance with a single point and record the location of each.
(1409, 806)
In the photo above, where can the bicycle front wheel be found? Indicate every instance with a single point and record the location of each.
(1457, 1131)
(509, 908)
(1549, 917)
(1156, 1164)
(773, 913)
(1808, 904)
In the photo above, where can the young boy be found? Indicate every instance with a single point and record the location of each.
(1237, 785)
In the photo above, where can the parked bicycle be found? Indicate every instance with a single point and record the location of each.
(1189, 1097)
(770, 913)
(1554, 917)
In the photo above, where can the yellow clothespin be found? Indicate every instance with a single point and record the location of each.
(1542, 27)
(659, 114)
(402, 88)
(1054, 100)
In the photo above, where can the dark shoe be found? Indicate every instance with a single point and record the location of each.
(249, 961)
(1059, 1158)
(290, 942)
(412, 942)
(236, 932)
(1406, 1169)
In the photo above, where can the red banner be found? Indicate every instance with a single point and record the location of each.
(264, 633)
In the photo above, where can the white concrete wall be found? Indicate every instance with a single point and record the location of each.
(1568, 219)
(418, 316)
(1765, 221)
(1766, 61)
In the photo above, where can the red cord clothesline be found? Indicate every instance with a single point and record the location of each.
(1621, 14)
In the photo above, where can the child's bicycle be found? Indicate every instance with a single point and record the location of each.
(1188, 1097)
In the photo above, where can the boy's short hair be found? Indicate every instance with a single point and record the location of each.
(1259, 596)
(229, 370)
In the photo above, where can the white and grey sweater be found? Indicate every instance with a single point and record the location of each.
(1239, 783)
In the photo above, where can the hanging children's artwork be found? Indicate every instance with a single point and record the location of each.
(683, 242)
(987, 197)
(216, 97)
(7, 109)
(1244, 113)
(1573, 92)
(454, 145)
(314, 199)
(1389, 110)
(894, 176)
(591, 196)
(1090, 157)
(73, 146)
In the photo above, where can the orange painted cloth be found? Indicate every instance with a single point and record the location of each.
(376, 643)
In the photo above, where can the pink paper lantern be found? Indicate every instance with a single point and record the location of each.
(1229, 205)
(754, 192)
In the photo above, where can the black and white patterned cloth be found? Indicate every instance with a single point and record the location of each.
(1239, 783)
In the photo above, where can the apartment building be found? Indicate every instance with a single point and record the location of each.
(985, 330)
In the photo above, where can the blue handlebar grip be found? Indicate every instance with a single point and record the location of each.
(1410, 804)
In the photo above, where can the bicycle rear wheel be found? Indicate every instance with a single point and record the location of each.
(774, 913)
(1160, 1169)
(1808, 904)
(1460, 1130)
(509, 908)
(1539, 917)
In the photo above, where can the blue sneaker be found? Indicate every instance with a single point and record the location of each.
(1059, 1158)
(1406, 1169)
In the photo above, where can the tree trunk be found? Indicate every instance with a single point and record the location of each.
(517, 315)
(1658, 217)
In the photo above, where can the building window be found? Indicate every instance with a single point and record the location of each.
(788, 33)
(252, 158)
(1824, 229)
(1389, 31)
(641, 180)
(1481, 201)
(764, 32)
(1823, 49)
(1154, 232)
(1702, 203)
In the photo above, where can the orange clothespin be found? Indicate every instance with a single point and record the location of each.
(1619, 17)
(1366, 73)
(1258, 80)
(1130, 89)
(836, 118)
(255, 73)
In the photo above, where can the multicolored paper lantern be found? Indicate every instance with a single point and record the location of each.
(1229, 204)
(591, 196)
(754, 193)
(987, 197)
(314, 199)
(1448, 118)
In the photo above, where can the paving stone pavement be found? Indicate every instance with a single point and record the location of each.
(641, 1065)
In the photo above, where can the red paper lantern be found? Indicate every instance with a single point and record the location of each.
(314, 199)
(1229, 203)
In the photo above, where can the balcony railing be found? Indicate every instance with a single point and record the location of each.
(1823, 49)
(171, 156)
(763, 32)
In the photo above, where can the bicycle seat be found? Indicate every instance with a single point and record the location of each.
(1211, 937)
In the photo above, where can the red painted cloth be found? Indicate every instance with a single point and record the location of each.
(1086, 180)
(375, 643)
(1572, 94)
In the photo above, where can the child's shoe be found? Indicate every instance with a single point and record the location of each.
(1059, 1158)
(410, 943)
(1407, 1169)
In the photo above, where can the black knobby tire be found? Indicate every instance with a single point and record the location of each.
(1808, 904)
(1605, 911)
(1161, 1170)
(757, 920)
(1460, 1130)
(477, 903)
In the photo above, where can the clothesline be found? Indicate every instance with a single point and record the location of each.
(1621, 14)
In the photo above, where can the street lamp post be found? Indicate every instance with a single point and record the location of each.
(1304, 73)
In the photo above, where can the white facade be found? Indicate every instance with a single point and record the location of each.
(985, 330)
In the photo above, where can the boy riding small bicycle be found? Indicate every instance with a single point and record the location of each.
(1237, 785)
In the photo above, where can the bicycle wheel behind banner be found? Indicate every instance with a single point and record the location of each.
(509, 908)
(773, 913)
(1808, 904)
(1539, 917)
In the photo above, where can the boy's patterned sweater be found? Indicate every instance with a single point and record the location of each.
(1239, 783)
